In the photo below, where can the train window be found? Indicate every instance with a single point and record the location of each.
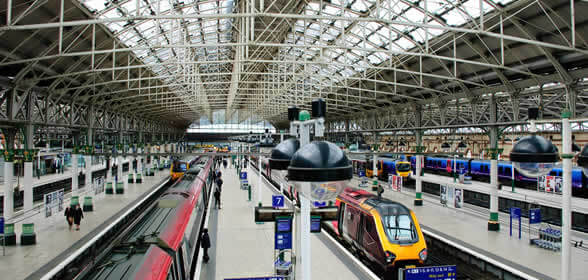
(399, 228)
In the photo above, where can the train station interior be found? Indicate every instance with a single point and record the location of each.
(294, 139)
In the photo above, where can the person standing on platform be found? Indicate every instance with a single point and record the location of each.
(205, 244)
(219, 184)
(225, 163)
(69, 216)
(380, 191)
(78, 215)
(217, 199)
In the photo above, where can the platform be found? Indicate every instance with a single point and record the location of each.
(469, 229)
(53, 236)
(241, 248)
(526, 195)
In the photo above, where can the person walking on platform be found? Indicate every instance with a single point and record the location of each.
(69, 216)
(225, 163)
(380, 191)
(78, 215)
(205, 244)
(219, 184)
(217, 199)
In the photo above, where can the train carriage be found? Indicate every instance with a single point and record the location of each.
(164, 242)
(383, 231)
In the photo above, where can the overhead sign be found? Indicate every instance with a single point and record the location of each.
(535, 216)
(243, 175)
(277, 201)
(446, 272)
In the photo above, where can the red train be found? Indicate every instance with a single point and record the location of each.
(164, 242)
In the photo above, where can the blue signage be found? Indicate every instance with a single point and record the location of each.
(243, 175)
(1, 225)
(515, 213)
(283, 240)
(315, 224)
(447, 272)
(319, 204)
(361, 173)
(283, 225)
(535, 216)
(277, 201)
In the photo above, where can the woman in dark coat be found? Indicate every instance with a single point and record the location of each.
(69, 216)
(78, 215)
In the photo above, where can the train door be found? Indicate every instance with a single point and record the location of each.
(373, 248)
(448, 167)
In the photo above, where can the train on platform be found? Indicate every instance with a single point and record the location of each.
(385, 165)
(479, 170)
(163, 243)
(384, 232)
(179, 166)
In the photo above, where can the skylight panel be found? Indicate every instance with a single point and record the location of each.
(455, 18)
(331, 10)
(404, 43)
(94, 5)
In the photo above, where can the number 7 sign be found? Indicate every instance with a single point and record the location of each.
(277, 201)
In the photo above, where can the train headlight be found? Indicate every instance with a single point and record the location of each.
(423, 254)
(390, 257)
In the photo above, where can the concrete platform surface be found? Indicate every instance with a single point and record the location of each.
(53, 236)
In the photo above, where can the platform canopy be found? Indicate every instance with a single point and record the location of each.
(381, 63)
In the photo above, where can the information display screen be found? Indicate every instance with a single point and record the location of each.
(284, 225)
(315, 224)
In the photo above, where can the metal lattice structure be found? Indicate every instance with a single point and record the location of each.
(379, 64)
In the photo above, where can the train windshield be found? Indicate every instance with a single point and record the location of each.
(399, 226)
(180, 166)
(403, 167)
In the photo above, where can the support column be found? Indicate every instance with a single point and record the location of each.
(8, 183)
(419, 149)
(89, 142)
(259, 181)
(28, 168)
(493, 223)
(418, 172)
(74, 172)
(566, 227)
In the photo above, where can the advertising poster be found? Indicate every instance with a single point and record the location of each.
(550, 184)
(458, 198)
(48, 205)
(98, 185)
(395, 182)
(443, 194)
(54, 202)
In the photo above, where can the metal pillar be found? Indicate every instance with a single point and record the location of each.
(303, 252)
(74, 172)
(566, 250)
(493, 224)
(259, 182)
(28, 169)
(418, 179)
(8, 188)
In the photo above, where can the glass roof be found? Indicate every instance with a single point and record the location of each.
(350, 47)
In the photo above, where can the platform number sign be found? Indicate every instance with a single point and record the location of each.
(277, 201)
(445, 272)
